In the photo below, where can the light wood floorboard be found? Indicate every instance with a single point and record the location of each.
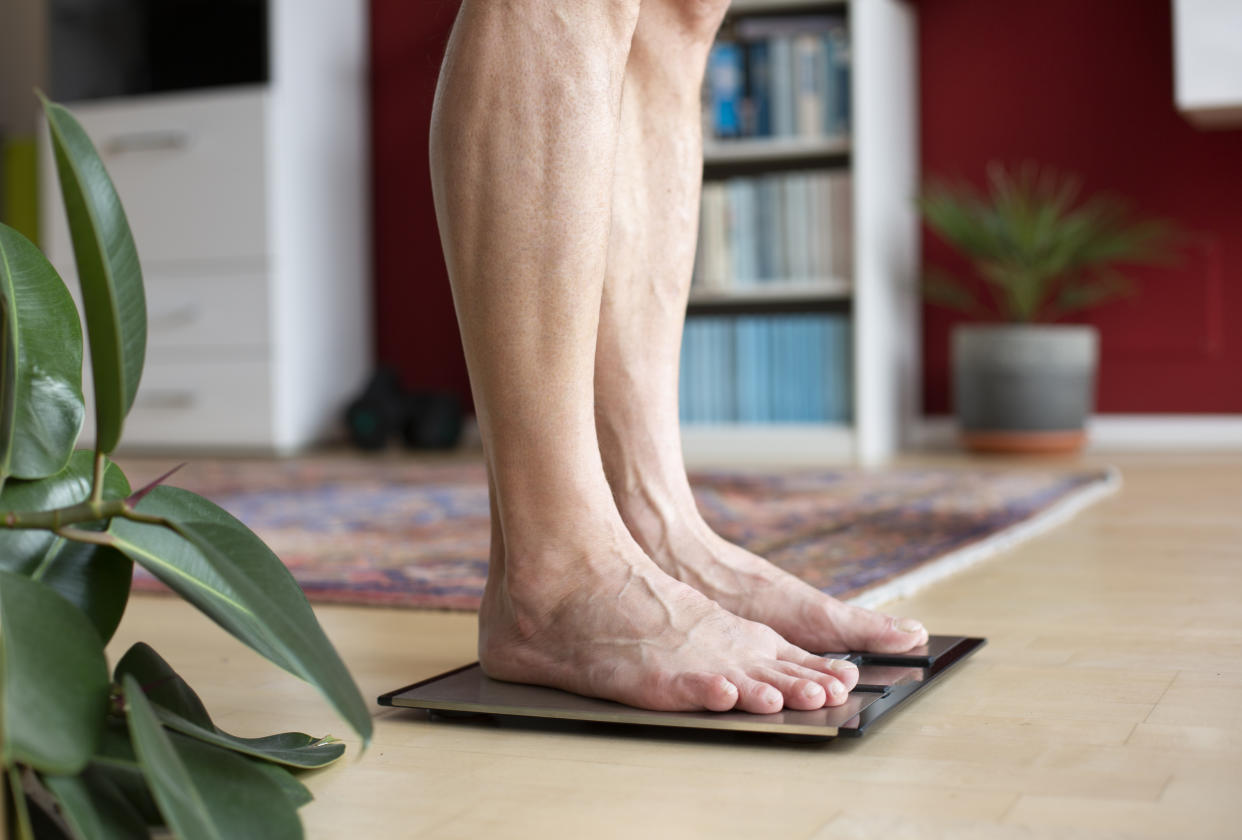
(1108, 703)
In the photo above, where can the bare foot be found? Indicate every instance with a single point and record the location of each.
(599, 618)
(682, 544)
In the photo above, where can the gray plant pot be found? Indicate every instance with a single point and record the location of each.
(1024, 387)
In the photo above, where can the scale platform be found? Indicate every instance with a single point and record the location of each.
(885, 682)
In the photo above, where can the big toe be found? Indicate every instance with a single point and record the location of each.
(885, 634)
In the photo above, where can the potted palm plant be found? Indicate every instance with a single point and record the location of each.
(1043, 253)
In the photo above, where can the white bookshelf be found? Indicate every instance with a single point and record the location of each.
(882, 295)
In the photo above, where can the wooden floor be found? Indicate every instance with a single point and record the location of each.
(1108, 703)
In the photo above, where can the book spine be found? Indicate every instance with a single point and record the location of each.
(809, 64)
(724, 76)
(782, 63)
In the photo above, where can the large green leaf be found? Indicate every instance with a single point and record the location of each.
(179, 707)
(204, 792)
(95, 808)
(112, 294)
(116, 759)
(296, 792)
(27, 551)
(216, 563)
(53, 679)
(163, 686)
(41, 404)
(94, 578)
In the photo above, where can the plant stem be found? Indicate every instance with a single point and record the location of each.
(97, 480)
(59, 521)
(20, 811)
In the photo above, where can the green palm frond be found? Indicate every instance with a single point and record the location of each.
(1040, 247)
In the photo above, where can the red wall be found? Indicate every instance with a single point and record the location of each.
(1083, 86)
(416, 330)
(1087, 87)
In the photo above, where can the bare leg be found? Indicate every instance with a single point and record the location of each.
(651, 256)
(523, 142)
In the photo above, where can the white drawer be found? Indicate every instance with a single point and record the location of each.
(192, 313)
(217, 404)
(189, 170)
(207, 312)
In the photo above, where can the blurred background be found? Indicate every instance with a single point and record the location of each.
(273, 159)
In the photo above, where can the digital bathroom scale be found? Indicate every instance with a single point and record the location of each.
(885, 681)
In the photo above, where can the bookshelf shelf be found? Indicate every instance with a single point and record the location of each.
(815, 290)
(773, 150)
(818, 186)
(768, 445)
(749, 7)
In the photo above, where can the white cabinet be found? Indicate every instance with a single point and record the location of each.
(1207, 60)
(250, 210)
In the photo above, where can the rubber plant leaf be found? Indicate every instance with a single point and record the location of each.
(94, 806)
(41, 405)
(179, 707)
(216, 563)
(53, 679)
(108, 271)
(204, 792)
(95, 579)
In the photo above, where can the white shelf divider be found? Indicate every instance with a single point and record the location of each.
(886, 227)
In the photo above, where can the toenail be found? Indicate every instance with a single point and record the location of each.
(841, 665)
(810, 690)
(836, 690)
(909, 625)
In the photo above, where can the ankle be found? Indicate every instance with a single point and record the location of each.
(660, 515)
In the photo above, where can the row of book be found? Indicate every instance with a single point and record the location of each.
(788, 227)
(779, 77)
(766, 369)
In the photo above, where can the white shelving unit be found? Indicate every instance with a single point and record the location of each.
(250, 211)
(881, 153)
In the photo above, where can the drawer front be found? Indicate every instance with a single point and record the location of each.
(221, 404)
(189, 313)
(189, 170)
(204, 313)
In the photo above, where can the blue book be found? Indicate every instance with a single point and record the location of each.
(766, 232)
(747, 363)
(781, 64)
(783, 384)
(838, 363)
(686, 374)
(837, 112)
(724, 80)
(683, 380)
(726, 367)
(759, 88)
(703, 372)
(817, 362)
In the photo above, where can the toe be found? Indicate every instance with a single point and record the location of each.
(705, 691)
(798, 691)
(868, 630)
(841, 670)
(836, 677)
(757, 696)
(897, 635)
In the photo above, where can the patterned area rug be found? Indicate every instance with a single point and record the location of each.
(397, 532)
